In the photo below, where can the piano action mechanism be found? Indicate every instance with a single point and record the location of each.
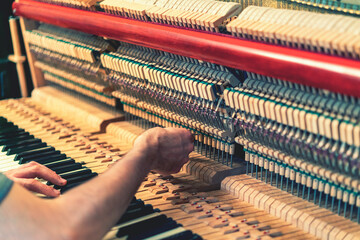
(270, 94)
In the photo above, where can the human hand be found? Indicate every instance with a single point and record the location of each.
(167, 148)
(25, 176)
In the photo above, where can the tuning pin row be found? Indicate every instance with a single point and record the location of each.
(323, 187)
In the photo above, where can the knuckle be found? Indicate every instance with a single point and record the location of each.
(47, 170)
(156, 130)
(8, 173)
(33, 163)
(29, 183)
(46, 188)
(36, 168)
(33, 181)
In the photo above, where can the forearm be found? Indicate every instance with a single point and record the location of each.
(100, 202)
(91, 209)
(25, 216)
(86, 212)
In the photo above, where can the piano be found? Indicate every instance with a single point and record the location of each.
(270, 90)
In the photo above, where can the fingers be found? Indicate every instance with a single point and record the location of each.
(36, 186)
(25, 175)
(172, 148)
(185, 160)
(190, 148)
(192, 138)
(35, 170)
(189, 143)
(11, 172)
(187, 137)
(186, 134)
(177, 166)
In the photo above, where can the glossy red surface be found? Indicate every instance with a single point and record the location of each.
(312, 69)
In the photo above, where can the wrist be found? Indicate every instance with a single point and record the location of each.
(144, 154)
(148, 146)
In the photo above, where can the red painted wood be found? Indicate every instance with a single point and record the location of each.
(312, 69)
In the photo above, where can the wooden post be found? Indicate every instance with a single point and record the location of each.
(17, 58)
(36, 74)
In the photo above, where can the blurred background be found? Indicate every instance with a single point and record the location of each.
(9, 84)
